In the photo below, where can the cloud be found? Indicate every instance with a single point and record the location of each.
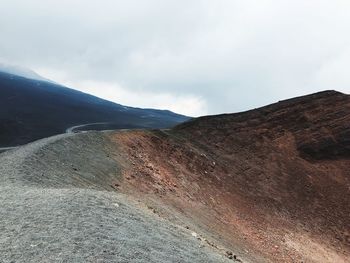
(196, 57)
(184, 104)
(187, 104)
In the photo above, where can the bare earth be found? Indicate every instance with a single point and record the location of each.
(267, 185)
(57, 207)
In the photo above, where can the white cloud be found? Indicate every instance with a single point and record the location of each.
(187, 105)
(220, 56)
(334, 72)
(184, 104)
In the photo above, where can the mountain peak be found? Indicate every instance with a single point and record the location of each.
(21, 71)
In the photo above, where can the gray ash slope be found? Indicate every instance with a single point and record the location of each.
(58, 206)
(34, 109)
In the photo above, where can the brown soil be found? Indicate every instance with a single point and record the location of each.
(271, 184)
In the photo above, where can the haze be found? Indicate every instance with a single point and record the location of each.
(192, 57)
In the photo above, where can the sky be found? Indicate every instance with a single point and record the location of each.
(194, 57)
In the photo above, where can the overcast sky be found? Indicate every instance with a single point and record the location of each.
(192, 57)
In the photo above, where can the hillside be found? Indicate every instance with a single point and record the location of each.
(57, 205)
(271, 182)
(33, 109)
(266, 185)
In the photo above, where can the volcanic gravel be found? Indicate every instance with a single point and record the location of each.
(57, 206)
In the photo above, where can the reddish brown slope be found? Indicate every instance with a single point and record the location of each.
(272, 184)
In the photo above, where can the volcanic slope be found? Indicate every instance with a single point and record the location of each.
(267, 185)
(58, 205)
(272, 184)
(33, 109)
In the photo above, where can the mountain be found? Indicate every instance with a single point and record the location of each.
(21, 72)
(31, 109)
(267, 185)
(271, 184)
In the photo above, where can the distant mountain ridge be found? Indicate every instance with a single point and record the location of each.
(31, 109)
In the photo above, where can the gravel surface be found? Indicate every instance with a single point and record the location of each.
(57, 206)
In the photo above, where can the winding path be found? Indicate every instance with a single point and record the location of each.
(68, 130)
(4, 149)
(71, 129)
